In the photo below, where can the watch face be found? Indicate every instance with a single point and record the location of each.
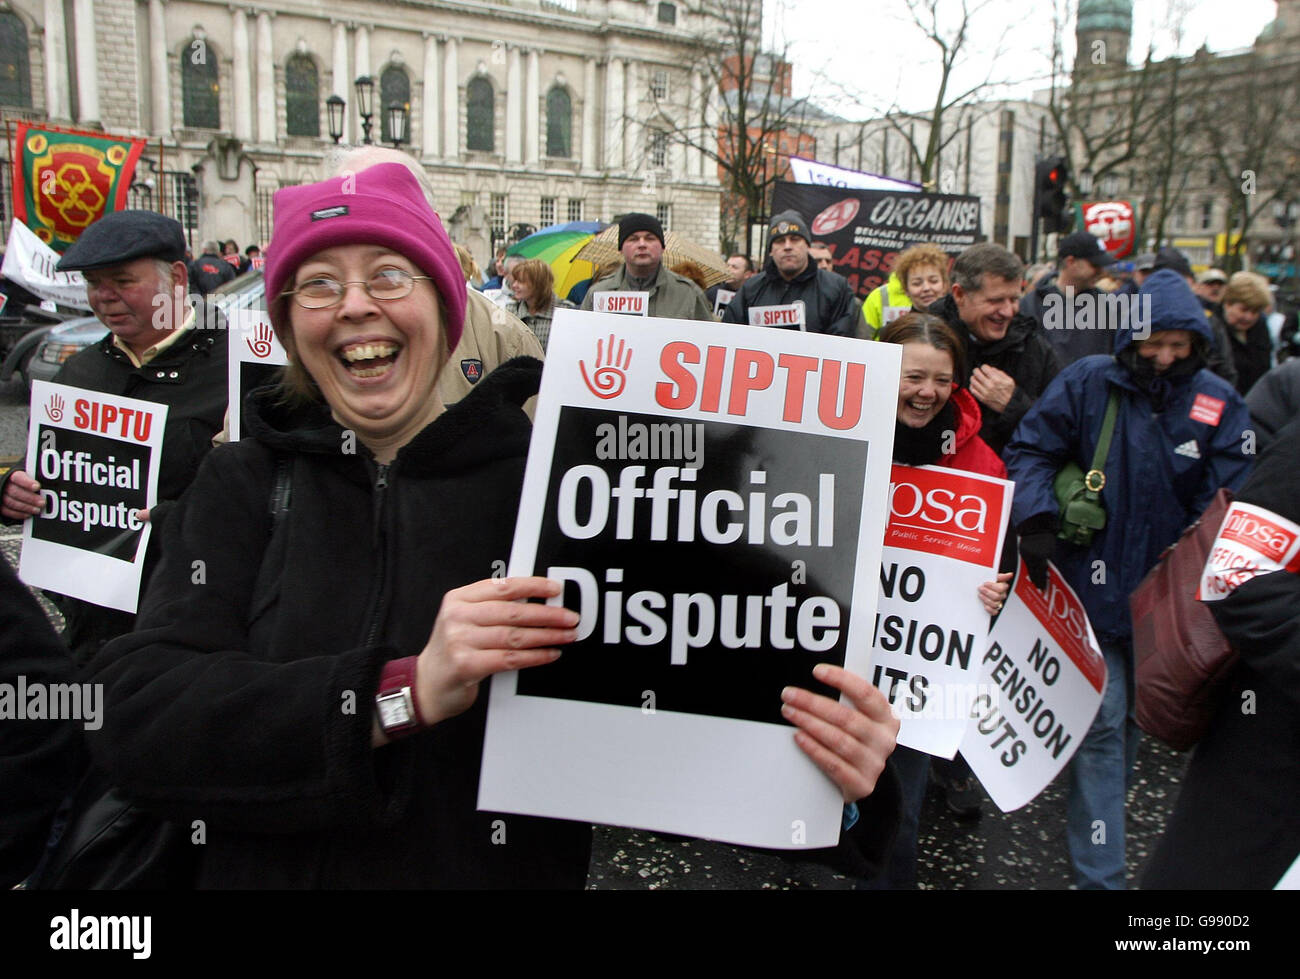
(395, 710)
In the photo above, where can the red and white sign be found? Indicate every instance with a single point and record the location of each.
(1041, 682)
(783, 317)
(251, 342)
(623, 303)
(941, 543)
(1112, 222)
(96, 457)
(1206, 409)
(721, 300)
(838, 215)
(1252, 542)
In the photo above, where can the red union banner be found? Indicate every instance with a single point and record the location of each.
(1114, 222)
(65, 180)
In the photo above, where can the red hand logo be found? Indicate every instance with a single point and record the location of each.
(608, 379)
(260, 341)
(54, 408)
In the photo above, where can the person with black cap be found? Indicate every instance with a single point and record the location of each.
(158, 349)
(791, 277)
(641, 240)
(1057, 300)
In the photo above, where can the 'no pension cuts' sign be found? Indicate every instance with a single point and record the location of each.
(96, 457)
(713, 498)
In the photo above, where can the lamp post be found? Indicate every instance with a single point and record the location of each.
(399, 118)
(334, 109)
(365, 86)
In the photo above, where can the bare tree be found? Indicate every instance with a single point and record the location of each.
(747, 123)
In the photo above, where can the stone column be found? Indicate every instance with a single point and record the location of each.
(362, 67)
(83, 13)
(614, 114)
(589, 116)
(342, 81)
(160, 107)
(240, 81)
(266, 94)
(56, 62)
(451, 99)
(695, 155)
(532, 107)
(430, 137)
(514, 95)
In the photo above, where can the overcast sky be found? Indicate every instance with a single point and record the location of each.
(859, 58)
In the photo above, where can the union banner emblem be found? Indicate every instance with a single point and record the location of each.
(65, 180)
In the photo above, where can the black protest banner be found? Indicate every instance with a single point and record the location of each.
(866, 229)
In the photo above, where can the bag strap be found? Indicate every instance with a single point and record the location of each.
(1103, 447)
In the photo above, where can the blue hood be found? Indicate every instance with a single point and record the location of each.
(1173, 306)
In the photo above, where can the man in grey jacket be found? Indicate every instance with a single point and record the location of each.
(641, 240)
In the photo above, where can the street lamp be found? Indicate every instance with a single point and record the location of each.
(399, 118)
(365, 86)
(334, 108)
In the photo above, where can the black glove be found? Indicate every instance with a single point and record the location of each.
(1037, 545)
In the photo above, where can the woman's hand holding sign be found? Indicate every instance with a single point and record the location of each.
(22, 498)
(849, 742)
(483, 629)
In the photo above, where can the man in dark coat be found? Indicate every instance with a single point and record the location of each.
(790, 276)
(210, 270)
(1237, 822)
(1073, 312)
(158, 349)
(1009, 359)
(1274, 402)
(1179, 435)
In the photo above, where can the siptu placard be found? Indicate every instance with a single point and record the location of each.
(715, 506)
(96, 457)
(255, 357)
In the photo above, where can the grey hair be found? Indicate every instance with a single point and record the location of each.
(984, 259)
(212, 246)
(365, 157)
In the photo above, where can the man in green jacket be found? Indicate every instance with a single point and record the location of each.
(673, 296)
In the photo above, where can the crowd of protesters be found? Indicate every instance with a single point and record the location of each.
(203, 681)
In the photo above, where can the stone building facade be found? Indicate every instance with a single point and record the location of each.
(522, 112)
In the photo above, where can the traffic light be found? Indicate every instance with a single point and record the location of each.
(1050, 200)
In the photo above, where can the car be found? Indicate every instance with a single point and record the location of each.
(245, 292)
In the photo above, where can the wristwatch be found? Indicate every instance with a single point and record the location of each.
(395, 700)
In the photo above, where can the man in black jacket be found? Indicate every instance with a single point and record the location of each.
(790, 277)
(1010, 360)
(158, 349)
(210, 270)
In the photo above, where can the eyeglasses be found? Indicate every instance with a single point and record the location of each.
(321, 292)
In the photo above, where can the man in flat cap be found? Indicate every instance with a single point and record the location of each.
(158, 349)
(641, 240)
(792, 292)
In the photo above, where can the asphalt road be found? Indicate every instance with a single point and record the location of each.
(1021, 850)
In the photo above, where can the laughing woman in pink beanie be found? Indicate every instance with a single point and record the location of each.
(313, 694)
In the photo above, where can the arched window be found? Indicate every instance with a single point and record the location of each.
(479, 117)
(301, 96)
(200, 88)
(559, 122)
(15, 69)
(394, 86)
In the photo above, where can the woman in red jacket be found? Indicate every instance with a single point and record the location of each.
(938, 425)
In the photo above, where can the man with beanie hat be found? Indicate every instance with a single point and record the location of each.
(673, 296)
(157, 349)
(790, 277)
(1178, 438)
